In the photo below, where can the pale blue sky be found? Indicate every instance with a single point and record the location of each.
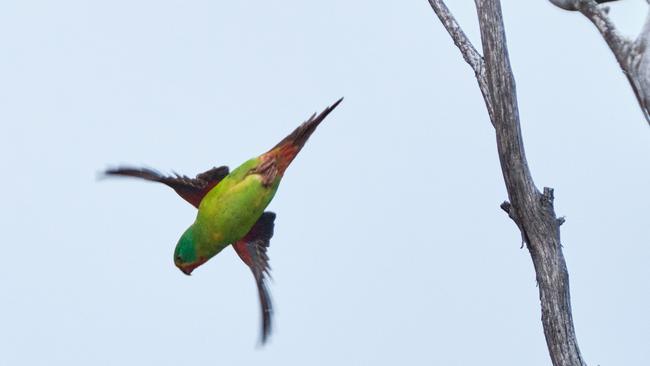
(390, 247)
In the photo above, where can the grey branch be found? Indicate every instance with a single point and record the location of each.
(573, 4)
(531, 210)
(467, 49)
(633, 56)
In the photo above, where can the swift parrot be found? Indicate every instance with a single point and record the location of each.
(231, 208)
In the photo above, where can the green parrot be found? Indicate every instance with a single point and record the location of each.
(231, 208)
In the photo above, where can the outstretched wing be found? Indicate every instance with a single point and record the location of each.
(191, 189)
(252, 250)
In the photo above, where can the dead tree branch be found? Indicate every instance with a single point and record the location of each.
(531, 210)
(633, 56)
(467, 49)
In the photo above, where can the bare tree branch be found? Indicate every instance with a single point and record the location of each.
(573, 4)
(467, 49)
(638, 72)
(531, 210)
(599, 17)
(633, 56)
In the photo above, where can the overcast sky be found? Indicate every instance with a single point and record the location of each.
(389, 248)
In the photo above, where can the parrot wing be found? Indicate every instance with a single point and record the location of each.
(252, 250)
(191, 190)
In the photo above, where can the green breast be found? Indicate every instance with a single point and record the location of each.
(231, 208)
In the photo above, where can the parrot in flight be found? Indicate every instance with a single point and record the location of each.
(231, 208)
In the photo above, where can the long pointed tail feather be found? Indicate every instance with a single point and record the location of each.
(288, 148)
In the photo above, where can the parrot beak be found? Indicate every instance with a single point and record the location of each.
(187, 268)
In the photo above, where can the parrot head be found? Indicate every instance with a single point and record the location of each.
(185, 255)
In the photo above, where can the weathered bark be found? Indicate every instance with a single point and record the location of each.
(531, 210)
(571, 4)
(633, 56)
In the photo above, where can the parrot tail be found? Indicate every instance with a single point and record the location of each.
(287, 149)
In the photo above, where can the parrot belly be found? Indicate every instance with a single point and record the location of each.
(229, 211)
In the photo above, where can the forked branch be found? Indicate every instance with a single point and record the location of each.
(531, 210)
